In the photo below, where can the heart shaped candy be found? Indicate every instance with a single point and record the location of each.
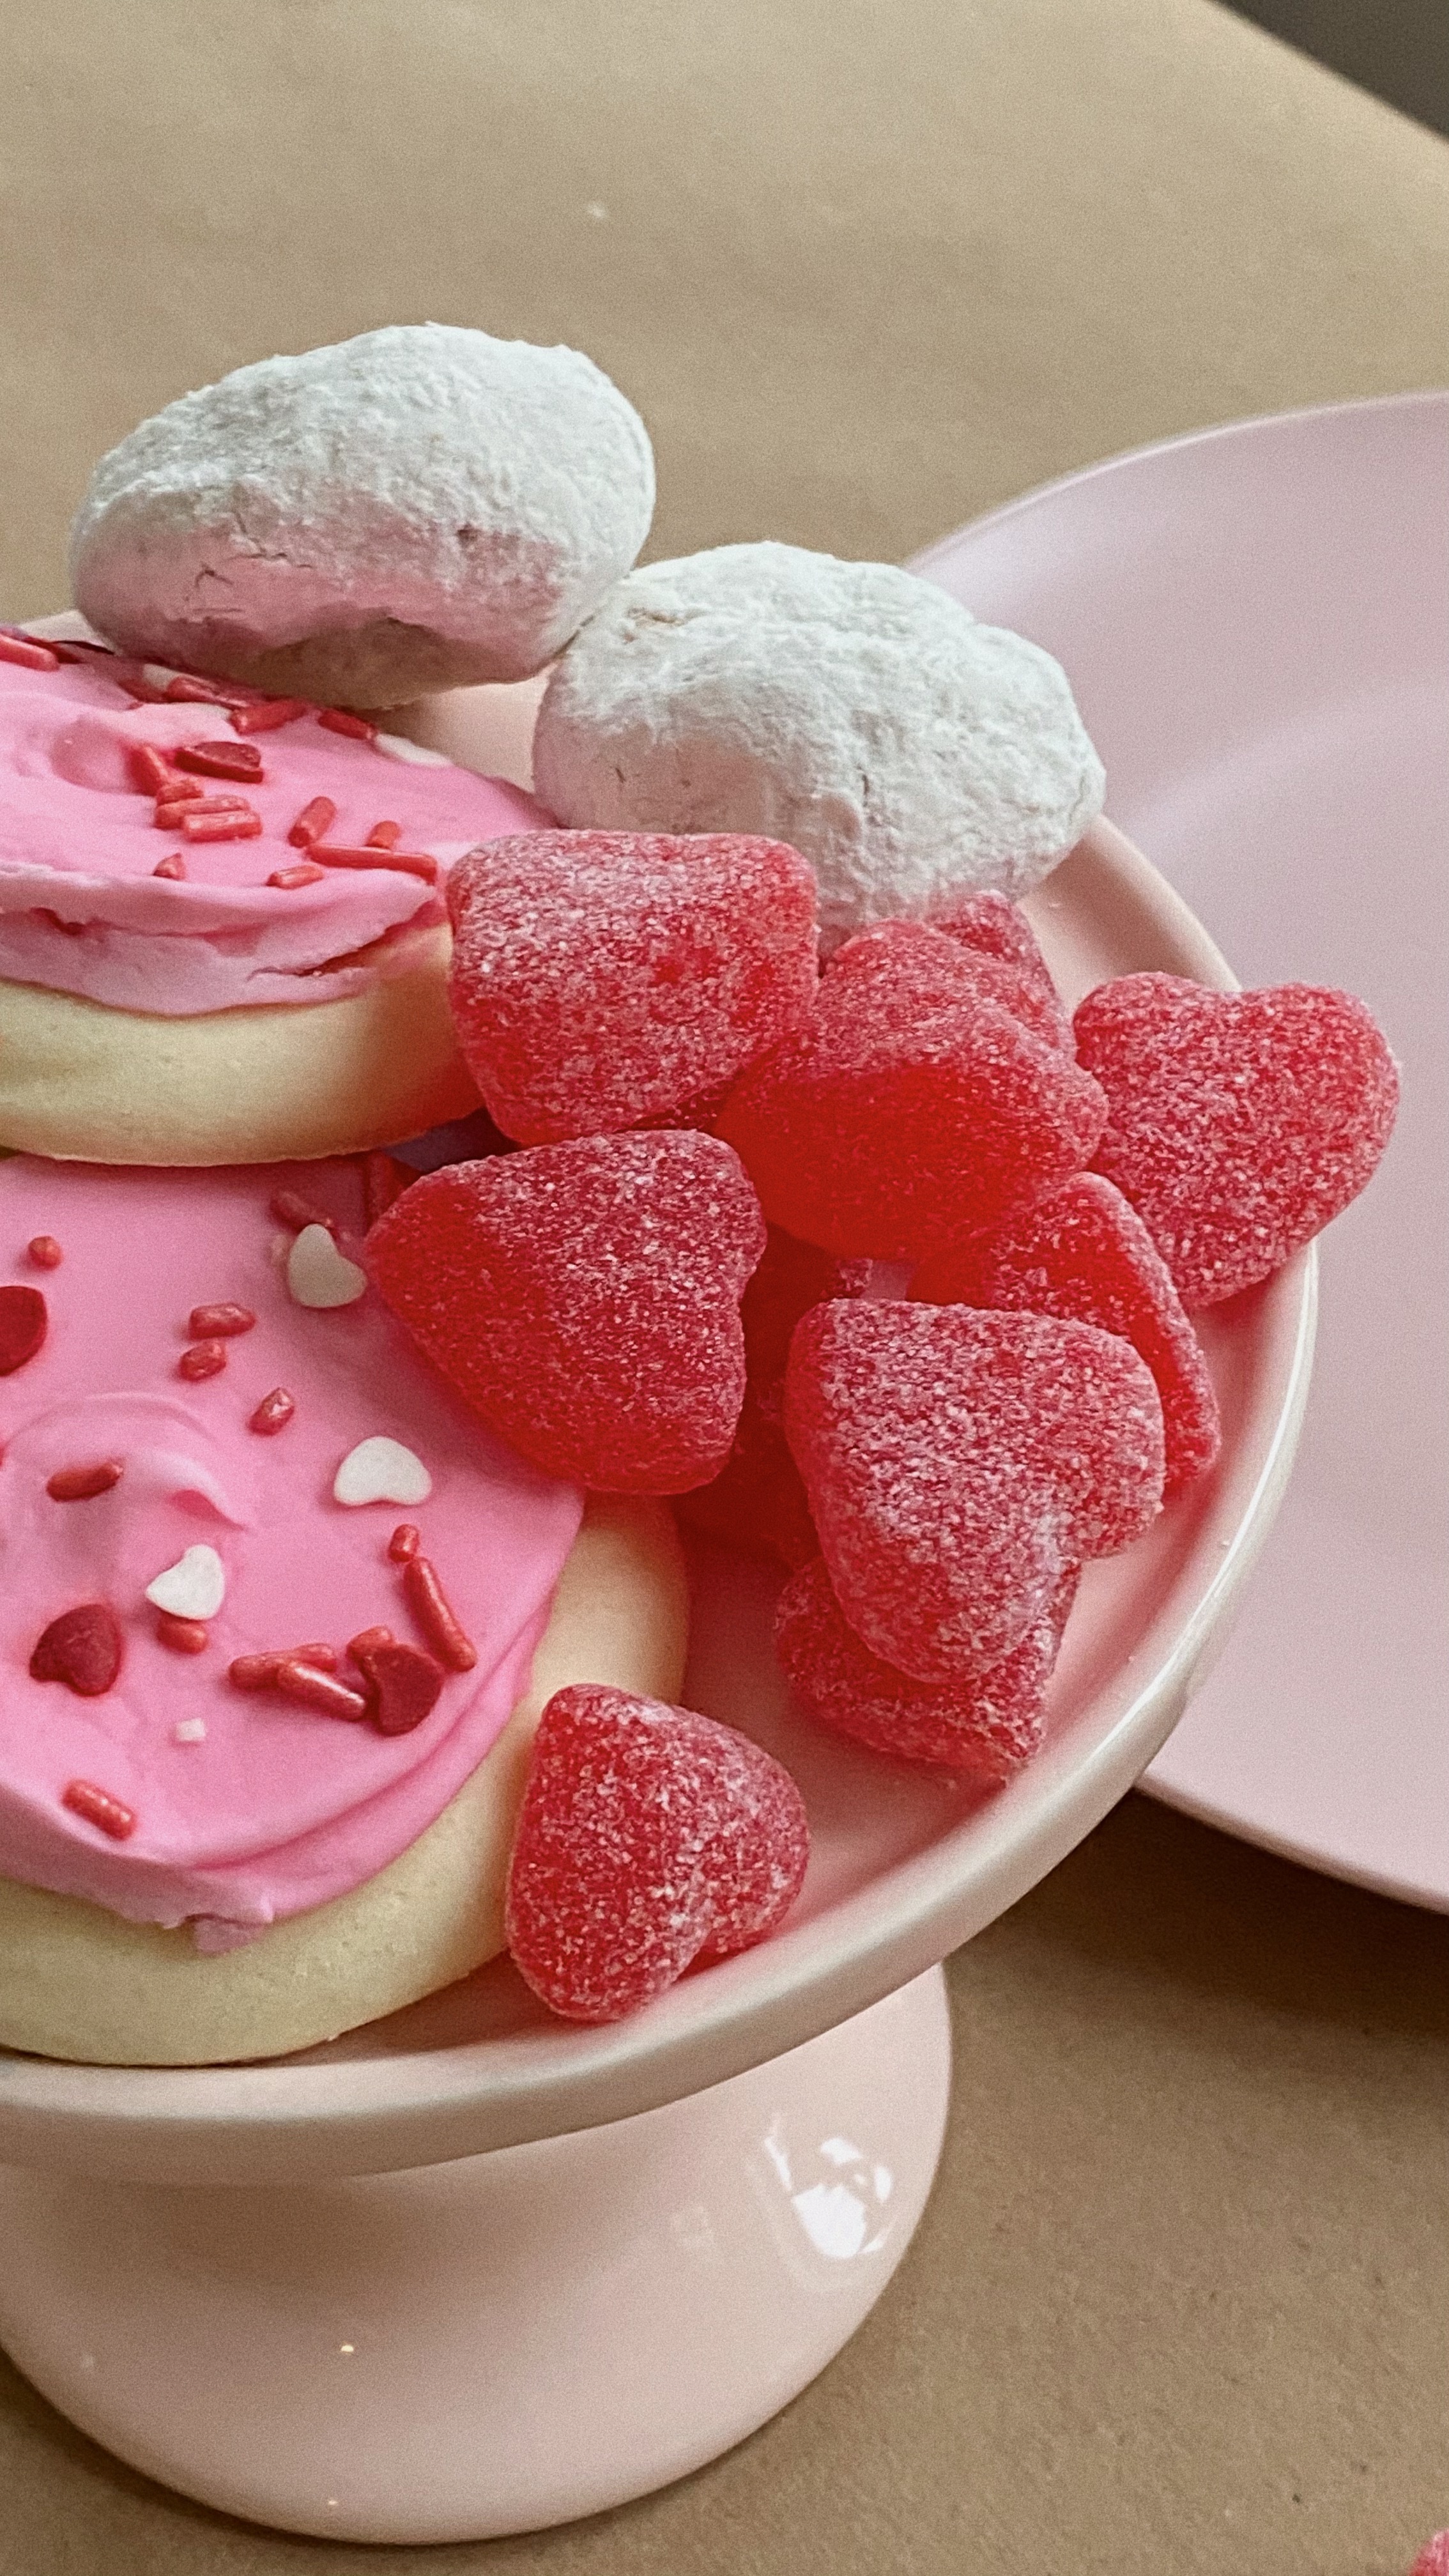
(318, 1274)
(585, 1299)
(649, 1837)
(24, 1317)
(82, 1648)
(193, 1588)
(958, 1464)
(380, 1470)
(1239, 1123)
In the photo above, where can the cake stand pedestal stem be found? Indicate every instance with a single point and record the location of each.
(501, 2343)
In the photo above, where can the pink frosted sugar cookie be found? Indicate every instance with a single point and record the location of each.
(273, 1628)
(412, 509)
(850, 709)
(223, 926)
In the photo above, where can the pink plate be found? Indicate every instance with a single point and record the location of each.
(1256, 623)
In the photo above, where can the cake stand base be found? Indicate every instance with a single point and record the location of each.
(498, 2344)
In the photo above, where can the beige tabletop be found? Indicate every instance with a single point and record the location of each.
(867, 266)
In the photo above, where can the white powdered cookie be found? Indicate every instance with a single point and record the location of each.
(912, 754)
(411, 510)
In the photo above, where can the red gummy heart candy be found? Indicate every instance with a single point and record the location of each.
(1084, 1253)
(24, 1317)
(1433, 2558)
(603, 978)
(994, 929)
(757, 1501)
(1240, 1123)
(986, 1724)
(649, 1838)
(584, 1298)
(959, 1463)
(82, 1648)
(911, 1109)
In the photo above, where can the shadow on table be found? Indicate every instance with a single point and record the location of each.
(1399, 49)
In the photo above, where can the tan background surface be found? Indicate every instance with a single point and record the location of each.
(867, 266)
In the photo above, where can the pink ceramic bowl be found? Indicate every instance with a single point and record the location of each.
(906, 1864)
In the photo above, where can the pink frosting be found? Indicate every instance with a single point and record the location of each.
(277, 1808)
(82, 911)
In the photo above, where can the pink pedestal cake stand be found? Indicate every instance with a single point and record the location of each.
(470, 2272)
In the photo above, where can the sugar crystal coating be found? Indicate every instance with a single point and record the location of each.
(1085, 1253)
(850, 709)
(1240, 1124)
(911, 1108)
(649, 1837)
(417, 507)
(999, 932)
(602, 978)
(958, 1463)
(1433, 2558)
(584, 1298)
(757, 1501)
(986, 1724)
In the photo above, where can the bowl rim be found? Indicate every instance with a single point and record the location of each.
(312, 2117)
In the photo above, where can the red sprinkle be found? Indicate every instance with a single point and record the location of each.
(236, 826)
(185, 689)
(222, 760)
(98, 1807)
(82, 1484)
(312, 822)
(24, 1317)
(413, 863)
(203, 1359)
(298, 1212)
(403, 1684)
(384, 836)
(436, 1616)
(205, 1321)
(274, 1412)
(306, 872)
(404, 1543)
(313, 1688)
(183, 1636)
(152, 771)
(82, 1648)
(367, 1641)
(384, 1180)
(259, 1672)
(45, 1252)
(264, 715)
(172, 811)
(342, 720)
(174, 867)
(30, 656)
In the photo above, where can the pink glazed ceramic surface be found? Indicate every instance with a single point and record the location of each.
(1256, 622)
(906, 1863)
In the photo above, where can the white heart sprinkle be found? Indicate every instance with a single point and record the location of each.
(381, 1471)
(189, 1730)
(318, 1274)
(193, 1588)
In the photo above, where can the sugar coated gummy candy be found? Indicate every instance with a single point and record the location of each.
(1000, 935)
(986, 1724)
(649, 1838)
(959, 1463)
(599, 979)
(584, 1298)
(1083, 1252)
(757, 1501)
(1240, 1123)
(1433, 2558)
(911, 1108)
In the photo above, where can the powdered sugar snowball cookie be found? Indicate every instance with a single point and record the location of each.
(912, 754)
(415, 509)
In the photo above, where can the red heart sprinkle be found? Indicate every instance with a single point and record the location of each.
(403, 1683)
(221, 760)
(649, 1837)
(24, 1317)
(82, 1648)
